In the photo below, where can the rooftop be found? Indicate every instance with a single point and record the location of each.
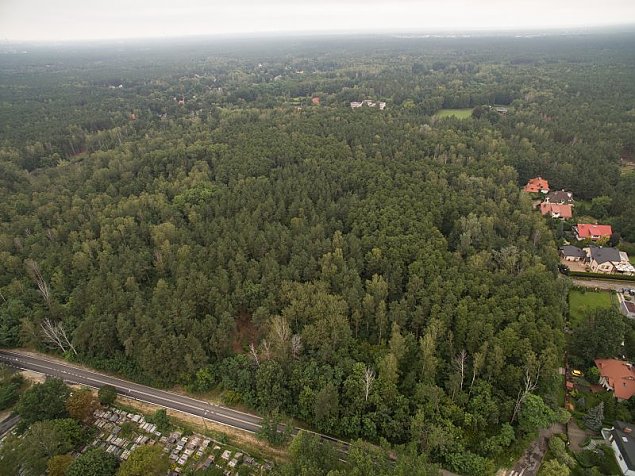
(624, 438)
(619, 375)
(605, 255)
(586, 230)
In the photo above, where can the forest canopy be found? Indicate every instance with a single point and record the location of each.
(191, 215)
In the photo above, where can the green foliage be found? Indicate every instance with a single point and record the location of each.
(559, 450)
(377, 274)
(107, 395)
(535, 414)
(275, 429)
(10, 384)
(59, 464)
(81, 404)
(310, 454)
(94, 462)
(600, 335)
(554, 468)
(161, 420)
(594, 418)
(43, 401)
(145, 461)
(29, 454)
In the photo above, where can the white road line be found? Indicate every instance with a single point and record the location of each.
(176, 410)
(29, 359)
(126, 382)
(148, 394)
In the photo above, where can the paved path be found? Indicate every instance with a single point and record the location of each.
(603, 284)
(576, 436)
(530, 461)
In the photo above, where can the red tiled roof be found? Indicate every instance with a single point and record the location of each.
(554, 209)
(586, 230)
(536, 185)
(620, 376)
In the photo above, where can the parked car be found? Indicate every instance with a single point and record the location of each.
(577, 373)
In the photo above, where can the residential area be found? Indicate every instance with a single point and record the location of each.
(599, 378)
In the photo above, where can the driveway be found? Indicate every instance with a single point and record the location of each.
(530, 461)
(576, 436)
(603, 284)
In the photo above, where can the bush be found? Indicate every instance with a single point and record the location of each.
(229, 397)
(107, 395)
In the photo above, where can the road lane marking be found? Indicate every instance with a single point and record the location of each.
(158, 397)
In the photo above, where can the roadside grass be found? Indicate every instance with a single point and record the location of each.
(458, 113)
(582, 301)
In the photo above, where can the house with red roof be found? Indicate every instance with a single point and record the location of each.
(555, 210)
(537, 185)
(617, 376)
(585, 231)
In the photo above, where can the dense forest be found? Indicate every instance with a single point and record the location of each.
(186, 214)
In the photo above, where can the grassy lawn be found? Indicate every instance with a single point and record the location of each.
(580, 302)
(458, 113)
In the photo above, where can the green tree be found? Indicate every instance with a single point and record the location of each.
(594, 418)
(43, 401)
(534, 414)
(58, 465)
(81, 404)
(559, 450)
(275, 429)
(29, 454)
(553, 468)
(107, 395)
(145, 461)
(94, 462)
(600, 335)
(161, 420)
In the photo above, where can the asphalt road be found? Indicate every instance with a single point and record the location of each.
(73, 374)
(603, 284)
(209, 411)
(7, 424)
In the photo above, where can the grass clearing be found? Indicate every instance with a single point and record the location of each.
(582, 301)
(458, 113)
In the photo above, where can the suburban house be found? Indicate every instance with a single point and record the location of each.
(555, 210)
(537, 185)
(628, 308)
(315, 100)
(621, 439)
(572, 253)
(585, 231)
(560, 197)
(617, 376)
(608, 260)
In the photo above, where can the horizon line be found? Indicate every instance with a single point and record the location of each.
(444, 31)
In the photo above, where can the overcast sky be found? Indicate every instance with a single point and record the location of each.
(97, 19)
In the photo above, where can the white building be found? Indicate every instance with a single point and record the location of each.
(622, 441)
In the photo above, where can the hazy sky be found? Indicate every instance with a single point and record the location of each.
(95, 19)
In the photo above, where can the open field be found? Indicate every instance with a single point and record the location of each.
(581, 302)
(458, 113)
